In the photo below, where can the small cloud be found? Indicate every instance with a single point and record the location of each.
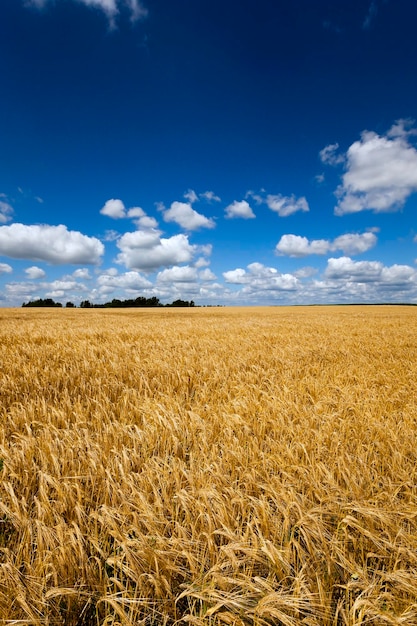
(178, 274)
(210, 196)
(286, 205)
(191, 196)
(146, 223)
(207, 275)
(111, 235)
(114, 208)
(34, 272)
(82, 273)
(258, 279)
(351, 243)
(135, 211)
(320, 178)
(329, 155)
(6, 212)
(5, 268)
(183, 214)
(239, 209)
(255, 196)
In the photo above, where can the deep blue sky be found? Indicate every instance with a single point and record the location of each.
(270, 145)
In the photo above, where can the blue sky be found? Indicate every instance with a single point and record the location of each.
(221, 151)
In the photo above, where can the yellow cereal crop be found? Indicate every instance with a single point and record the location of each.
(208, 466)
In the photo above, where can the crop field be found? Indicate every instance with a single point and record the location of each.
(208, 466)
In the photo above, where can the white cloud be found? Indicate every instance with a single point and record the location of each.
(210, 196)
(296, 246)
(110, 281)
(239, 209)
(183, 214)
(145, 250)
(62, 286)
(236, 277)
(351, 243)
(6, 212)
(176, 274)
(191, 196)
(53, 244)
(82, 273)
(286, 205)
(111, 235)
(5, 268)
(146, 223)
(136, 211)
(354, 243)
(114, 208)
(378, 281)
(202, 262)
(110, 7)
(207, 275)
(34, 272)
(258, 278)
(329, 155)
(381, 172)
(358, 271)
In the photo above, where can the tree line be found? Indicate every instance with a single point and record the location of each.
(139, 302)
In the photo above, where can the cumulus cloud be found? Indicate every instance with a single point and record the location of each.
(351, 243)
(110, 281)
(239, 209)
(178, 274)
(183, 214)
(381, 172)
(82, 273)
(34, 272)
(111, 8)
(259, 278)
(114, 208)
(377, 278)
(207, 275)
(147, 251)
(286, 205)
(6, 212)
(297, 246)
(53, 244)
(146, 223)
(62, 286)
(5, 268)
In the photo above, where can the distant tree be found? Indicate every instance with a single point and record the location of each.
(182, 303)
(70, 305)
(86, 304)
(42, 302)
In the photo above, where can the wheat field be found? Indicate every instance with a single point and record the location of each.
(208, 466)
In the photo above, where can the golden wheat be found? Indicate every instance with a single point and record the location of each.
(209, 466)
